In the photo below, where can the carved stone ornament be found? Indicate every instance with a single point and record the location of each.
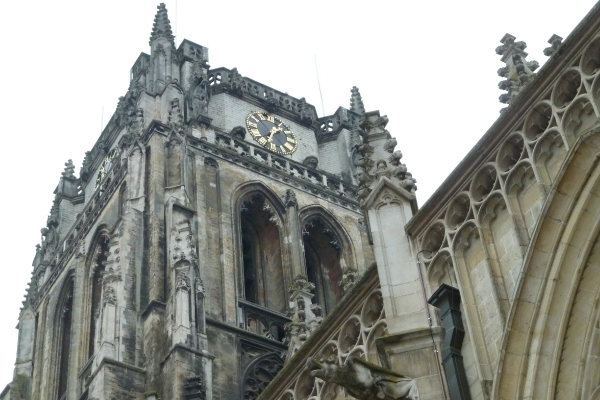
(176, 117)
(109, 297)
(349, 279)
(518, 71)
(112, 275)
(237, 83)
(555, 42)
(182, 282)
(271, 105)
(195, 388)
(370, 171)
(200, 287)
(239, 133)
(364, 380)
(356, 103)
(305, 114)
(290, 198)
(301, 283)
(311, 162)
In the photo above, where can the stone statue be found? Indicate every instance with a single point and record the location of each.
(363, 380)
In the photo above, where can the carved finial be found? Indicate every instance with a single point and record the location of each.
(69, 171)
(555, 41)
(162, 25)
(301, 284)
(356, 103)
(237, 83)
(518, 71)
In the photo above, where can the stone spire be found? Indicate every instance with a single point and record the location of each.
(356, 103)
(162, 25)
(518, 71)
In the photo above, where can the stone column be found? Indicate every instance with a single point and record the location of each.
(294, 239)
(389, 208)
(181, 330)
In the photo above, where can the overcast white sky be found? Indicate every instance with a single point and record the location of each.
(429, 65)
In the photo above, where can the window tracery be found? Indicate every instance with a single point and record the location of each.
(263, 276)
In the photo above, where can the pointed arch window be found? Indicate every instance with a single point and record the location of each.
(65, 322)
(324, 259)
(263, 277)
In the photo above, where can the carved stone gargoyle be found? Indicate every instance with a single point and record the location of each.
(363, 380)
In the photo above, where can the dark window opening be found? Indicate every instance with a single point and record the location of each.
(262, 254)
(99, 268)
(66, 319)
(323, 263)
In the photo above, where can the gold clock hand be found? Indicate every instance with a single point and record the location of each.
(274, 130)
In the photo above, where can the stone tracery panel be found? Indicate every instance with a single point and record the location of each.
(503, 198)
(355, 336)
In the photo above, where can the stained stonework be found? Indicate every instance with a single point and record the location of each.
(200, 264)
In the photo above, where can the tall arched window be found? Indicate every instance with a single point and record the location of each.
(323, 255)
(64, 324)
(99, 267)
(262, 254)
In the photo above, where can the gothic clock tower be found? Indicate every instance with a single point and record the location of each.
(213, 226)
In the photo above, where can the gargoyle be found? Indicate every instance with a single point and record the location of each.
(363, 380)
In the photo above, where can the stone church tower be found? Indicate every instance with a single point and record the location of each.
(212, 227)
(224, 242)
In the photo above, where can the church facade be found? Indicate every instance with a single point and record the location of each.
(223, 241)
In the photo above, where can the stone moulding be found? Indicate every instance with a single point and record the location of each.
(346, 200)
(81, 227)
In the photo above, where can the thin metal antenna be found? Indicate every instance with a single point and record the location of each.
(319, 83)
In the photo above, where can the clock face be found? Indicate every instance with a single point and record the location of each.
(106, 166)
(271, 133)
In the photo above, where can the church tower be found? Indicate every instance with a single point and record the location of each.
(213, 225)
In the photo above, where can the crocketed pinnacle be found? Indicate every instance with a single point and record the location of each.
(356, 103)
(162, 25)
(69, 171)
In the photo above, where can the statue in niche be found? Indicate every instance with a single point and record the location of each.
(363, 380)
(198, 97)
(49, 238)
(199, 101)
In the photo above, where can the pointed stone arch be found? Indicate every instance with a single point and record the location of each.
(550, 322)
(328, 254)
(62, 336)
(259, 373)
(94, 270)
(263, 270)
